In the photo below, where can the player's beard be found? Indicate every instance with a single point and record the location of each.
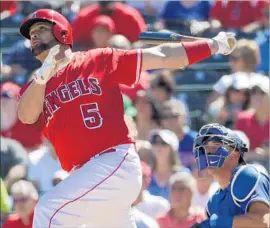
(37, 50)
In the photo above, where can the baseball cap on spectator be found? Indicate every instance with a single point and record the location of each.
(167, 136)
(10, 90)
(128, 107)
(239, 81)
(173, 108)
(104, 21)
(146, 170)
(262, 83)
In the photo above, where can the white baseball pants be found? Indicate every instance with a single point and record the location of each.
(97, 195)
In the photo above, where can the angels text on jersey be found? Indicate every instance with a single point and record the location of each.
(68, 92)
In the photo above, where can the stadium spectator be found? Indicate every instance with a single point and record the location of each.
(244, 58)
(178, 15)
(42, 167)
(128, 21)
(102, 31)
(181, 213)
(165, 161)
(150, 205)
(255, 124)
(246, 15)
(173, 117)
(14, 161)
(162, 85)
(19, 69)
(11, 126)
(225, 109)
(148, 114)
(25, 197)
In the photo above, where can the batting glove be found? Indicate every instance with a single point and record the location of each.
(226, 42)
(44, 73)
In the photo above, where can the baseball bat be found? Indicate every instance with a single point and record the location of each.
(156, 38)
(166, 37)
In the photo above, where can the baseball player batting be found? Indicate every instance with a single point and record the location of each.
(243, 197)
(75, 98)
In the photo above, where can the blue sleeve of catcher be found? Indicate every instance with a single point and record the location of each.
(249, 185)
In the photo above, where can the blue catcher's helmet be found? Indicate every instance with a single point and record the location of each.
(213, 144)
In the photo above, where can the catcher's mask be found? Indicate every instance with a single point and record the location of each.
(212, 146)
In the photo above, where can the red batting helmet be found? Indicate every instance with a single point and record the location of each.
(61, 27)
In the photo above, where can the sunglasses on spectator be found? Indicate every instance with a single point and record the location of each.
(20, 199)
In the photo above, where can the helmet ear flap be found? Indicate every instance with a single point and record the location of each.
(61, 33)
(57, 32)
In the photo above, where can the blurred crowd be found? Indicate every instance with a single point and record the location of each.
(164, 111)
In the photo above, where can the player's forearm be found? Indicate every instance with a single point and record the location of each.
(170, 55)
(251, 220)
(31, 103)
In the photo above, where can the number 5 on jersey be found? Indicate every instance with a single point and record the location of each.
(91, 116)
